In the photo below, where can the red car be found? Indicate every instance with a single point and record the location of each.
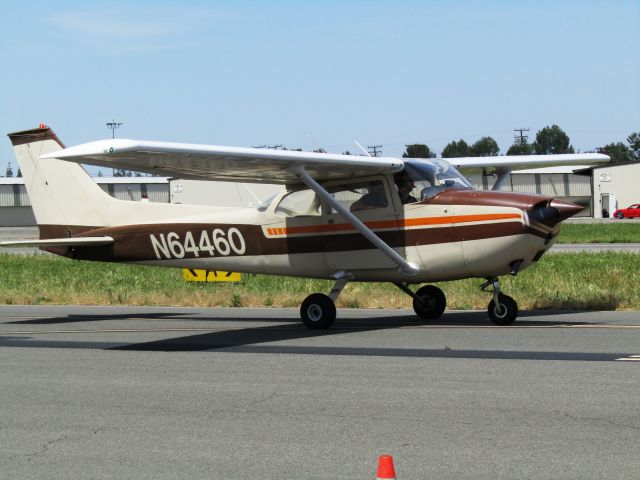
(631, 212)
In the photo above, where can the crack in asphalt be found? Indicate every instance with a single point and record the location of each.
(599, 420)
(45, 448)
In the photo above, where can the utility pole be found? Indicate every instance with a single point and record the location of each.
(113, 125)
(373, 150)
(520, 139)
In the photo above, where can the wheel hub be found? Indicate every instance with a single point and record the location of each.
(314, 312)
(500, 310)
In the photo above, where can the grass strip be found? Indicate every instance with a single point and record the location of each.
(602, 281)
(600, 232)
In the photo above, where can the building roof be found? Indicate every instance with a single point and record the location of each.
(560, 169)
(587, 170)
(98, 180)
(108, 180)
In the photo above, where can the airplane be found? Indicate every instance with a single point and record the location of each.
(341, 217)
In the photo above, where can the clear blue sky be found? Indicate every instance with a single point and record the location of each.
(308, 74)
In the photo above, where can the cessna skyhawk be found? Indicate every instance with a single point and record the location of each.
(341, 217)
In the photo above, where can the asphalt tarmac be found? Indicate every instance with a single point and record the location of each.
(138, 392)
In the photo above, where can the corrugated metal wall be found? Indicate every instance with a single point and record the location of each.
(6, 196)
(14, 196)
(555, 184)
(157, 192)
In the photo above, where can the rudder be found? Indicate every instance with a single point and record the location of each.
(62, 193)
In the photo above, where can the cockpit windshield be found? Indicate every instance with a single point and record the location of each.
(431, 176)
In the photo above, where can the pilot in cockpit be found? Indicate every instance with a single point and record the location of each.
(405, 185)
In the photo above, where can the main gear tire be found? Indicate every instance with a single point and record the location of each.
(433, 302)
(318, 312)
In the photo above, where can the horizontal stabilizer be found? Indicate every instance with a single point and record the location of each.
(60, 242)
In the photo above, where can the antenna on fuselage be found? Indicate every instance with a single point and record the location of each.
(366, 152)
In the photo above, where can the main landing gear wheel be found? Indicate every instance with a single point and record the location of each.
(433, 302)
(504, 312)
(318, 311)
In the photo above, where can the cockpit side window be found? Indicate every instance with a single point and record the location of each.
(430, 177)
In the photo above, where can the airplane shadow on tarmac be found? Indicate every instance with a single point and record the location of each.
(295, 330)
(73, 318)
(260, 339)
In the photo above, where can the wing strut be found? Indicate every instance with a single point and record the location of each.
(502, 178)
(405, 266)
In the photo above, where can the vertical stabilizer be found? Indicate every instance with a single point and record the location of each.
(62, 193)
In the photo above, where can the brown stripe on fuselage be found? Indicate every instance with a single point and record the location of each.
(487, 198)
(133, 243)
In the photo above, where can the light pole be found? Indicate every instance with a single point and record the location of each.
(113, 125)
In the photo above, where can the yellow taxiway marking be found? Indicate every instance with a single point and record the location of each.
(121, 330)
(297, 327)
(519, 327)
(630, 358)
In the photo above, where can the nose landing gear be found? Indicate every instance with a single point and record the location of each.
(502, 309)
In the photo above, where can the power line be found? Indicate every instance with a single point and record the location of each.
(373, 150)
(520, 139)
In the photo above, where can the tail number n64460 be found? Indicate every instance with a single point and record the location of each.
(216, 242)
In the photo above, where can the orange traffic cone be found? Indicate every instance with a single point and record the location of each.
(385, 468)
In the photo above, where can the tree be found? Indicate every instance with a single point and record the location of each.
(618, 152)
(418, 150)
(485, 147)
(456, 149)
(552, 140)
(634, 144)
(19, 174)
(521, 149)
(9, 172)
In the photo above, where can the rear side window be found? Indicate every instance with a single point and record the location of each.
(299, 203)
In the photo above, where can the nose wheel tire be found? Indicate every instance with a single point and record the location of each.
(433, 302)
(318, 311)
(504, 312)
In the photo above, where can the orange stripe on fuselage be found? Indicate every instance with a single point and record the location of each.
(408, 222)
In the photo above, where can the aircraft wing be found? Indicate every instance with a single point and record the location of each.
(60, 242)
(211, 162)
(523, 162)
